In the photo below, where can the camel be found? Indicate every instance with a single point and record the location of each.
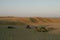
(41, 29)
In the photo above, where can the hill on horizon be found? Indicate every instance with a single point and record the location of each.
(29, 20)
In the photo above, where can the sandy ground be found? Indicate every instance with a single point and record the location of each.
(54, 25)
(21, 33)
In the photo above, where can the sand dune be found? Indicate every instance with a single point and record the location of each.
(32, 20)
(36, 21)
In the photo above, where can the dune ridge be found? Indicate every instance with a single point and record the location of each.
(31, 20)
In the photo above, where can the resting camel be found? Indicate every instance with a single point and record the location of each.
(41, 29)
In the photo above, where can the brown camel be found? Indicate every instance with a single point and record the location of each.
(41, 29)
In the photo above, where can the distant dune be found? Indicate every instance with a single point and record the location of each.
(31, 20)
(35, 21)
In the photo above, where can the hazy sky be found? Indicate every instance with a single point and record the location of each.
(43, 8)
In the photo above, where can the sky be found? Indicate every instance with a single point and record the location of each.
(30, 8)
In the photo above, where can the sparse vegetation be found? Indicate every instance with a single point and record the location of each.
(2, 22)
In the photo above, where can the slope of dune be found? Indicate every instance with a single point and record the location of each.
(31, 20)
